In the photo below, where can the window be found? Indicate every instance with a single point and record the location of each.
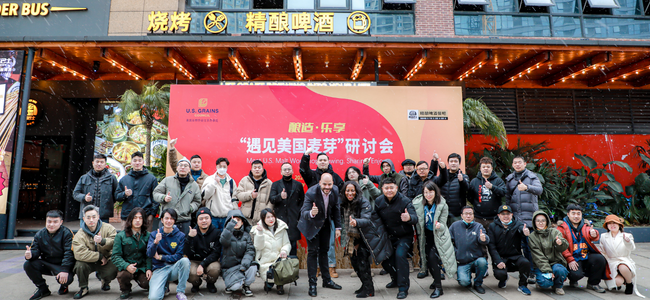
(471, 5)
(598, 7)
(268, 4)
(646, 7)
(535, 6)
(397, 6)
(195, 3)
(333, 3)
(300, 4)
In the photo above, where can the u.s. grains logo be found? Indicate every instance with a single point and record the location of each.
(203, 102)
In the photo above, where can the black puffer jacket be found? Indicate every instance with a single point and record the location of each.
(288, 210)
(312, 177)
(413, 187)
(505, 242)
(486, 201)
(54, 248)
(102, 188)
(205, 248)
(238, 248)
(523, 204)
(376, 237)
(454, 191)
(141, 183)
(390, 213)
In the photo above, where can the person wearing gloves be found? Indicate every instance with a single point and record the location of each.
(271, 241)
(136, 190)
(165, 247)
(435, 244)
(238, 257)
(287, 196)
(92, 247)
(546, 246)
(506, 234)
(469, 237)
(388, 169)
(617, 246)
(486, 193)
(253, 192)
(203, 248)
(181, 193)
(218, 190)
(356, 213)
(130, 253)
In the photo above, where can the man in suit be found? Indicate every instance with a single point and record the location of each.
(320, 208)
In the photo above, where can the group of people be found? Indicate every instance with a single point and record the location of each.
(210, 226)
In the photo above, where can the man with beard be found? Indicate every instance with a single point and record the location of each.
(486, 192)
(130, 253)
(98, 187)
(181, 193)
(253, 192)
(287, 196)
(136, 190)
(203, 248)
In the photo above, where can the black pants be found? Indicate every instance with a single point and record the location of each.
(593, 268)
(515, 263)
(397, 264)
(361, 264)
(433, 258)
(317, 249)
(35, 269)
(294, 247)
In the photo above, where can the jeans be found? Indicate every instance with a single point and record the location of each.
(516, 263)
(479, 266)
(249, 278)
(593, 268)
(179, 271)
(218, 223)
(560, 272)
(317, 254)
(397, 264)
(331, 254)
(35, 269)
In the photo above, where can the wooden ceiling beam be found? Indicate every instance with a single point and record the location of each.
(593, 62)
(297, 63)
(65, 64)
(612, 75)
(537, 60)
(179, 62)
(238, 63)
(125, 65)
(359, 59)
(471, 66)
(416, 64)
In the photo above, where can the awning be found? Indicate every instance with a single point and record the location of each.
(539, 2)
(603, 4)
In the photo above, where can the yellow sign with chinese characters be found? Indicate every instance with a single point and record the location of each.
(160, 21)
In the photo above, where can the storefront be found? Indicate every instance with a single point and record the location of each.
(576, 89)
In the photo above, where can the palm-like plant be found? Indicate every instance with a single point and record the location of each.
(152, 103)
(477, 114)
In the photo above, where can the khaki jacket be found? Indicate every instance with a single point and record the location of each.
(243, 194)
(185, 203)
(84, 247)
(173, 162)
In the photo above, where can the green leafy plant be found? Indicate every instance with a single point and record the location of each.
(477, 115)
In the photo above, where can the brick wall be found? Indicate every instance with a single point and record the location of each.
(434, 18)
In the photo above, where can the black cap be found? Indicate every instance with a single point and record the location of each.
(203, 210)
(408, 161)
(504, 208)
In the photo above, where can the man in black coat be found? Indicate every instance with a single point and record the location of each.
(455, 189)
(312, 177)
(287, 196)
(413, 187)
(398, 215)
(98, 187)
(50, 254)
(486, 193)
(203, 248)
(320, 209)
(136, 190)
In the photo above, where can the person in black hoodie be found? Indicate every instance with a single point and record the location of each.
(506, 234)
(98, 187)
(136, 190)
(203, 248)
(455, 189)
(287, 196)
(486, 193)
(388, 169)
(413, 187)
(398, 215)
(50, 254)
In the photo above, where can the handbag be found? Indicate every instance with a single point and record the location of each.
(285, 270)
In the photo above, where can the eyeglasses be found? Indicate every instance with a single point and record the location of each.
(183, 166)
(422, 169)
(540, 221)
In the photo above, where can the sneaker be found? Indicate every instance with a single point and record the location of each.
(81, 293)
(531, 279)
(106, 285)
(181, 296)
(574, 284)
(524, 290)
(246, 290)
(559, 291)
(596, 287)
(195, 289)
(503, 283)
(228, 291)
(40, 293)
(125, 295)
(479, 289)
(63, 289)
(166, 290)
(411, 268)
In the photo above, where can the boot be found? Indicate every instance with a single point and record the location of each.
(365, 293)
(41, 291)
(333, 273)
(629, 288)
(436, 293)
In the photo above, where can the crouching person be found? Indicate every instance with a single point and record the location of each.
(238, 254)
(469, 238)
(271, 242)
(166, 248)
(130, 253)
(50, 254)
(546, 247)
(92, 247)
(203, 248)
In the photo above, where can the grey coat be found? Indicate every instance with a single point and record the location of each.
(238, 251)
(103, 189)
(185, 203)
(524, 204)
(441, 236)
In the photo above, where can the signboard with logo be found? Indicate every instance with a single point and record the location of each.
(277, 124)
(11, 67)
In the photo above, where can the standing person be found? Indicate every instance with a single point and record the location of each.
(196, 162)
(98, 187)
(238, 257)
(253, 192)
(469, 238)
(287, 196)
(92, 247)
(582, 255)
(506, 234)
(398, 215)
(455, 189)
(546, 246)
(319, 211)
(368, 189)
(218, 193)
(617, 246)
(130, 253)
(271, 242)
(408, 168)
(414, 187)
(388, 169)
(181, 193)
(486, 193)
(203, 248)
(166, 246)
(357, 212)
(50, 254)
(432, 211)
(136, 190)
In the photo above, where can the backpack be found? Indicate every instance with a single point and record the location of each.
(285, 270)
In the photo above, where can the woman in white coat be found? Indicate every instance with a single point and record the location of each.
(271, 241)
(617, 246)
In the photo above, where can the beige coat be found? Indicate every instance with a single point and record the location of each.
(217, 197)
(85, 249)
(268, 245)
(243, 194)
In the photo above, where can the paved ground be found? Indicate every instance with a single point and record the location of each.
(15, 285)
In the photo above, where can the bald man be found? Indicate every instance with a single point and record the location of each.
(320, 208)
